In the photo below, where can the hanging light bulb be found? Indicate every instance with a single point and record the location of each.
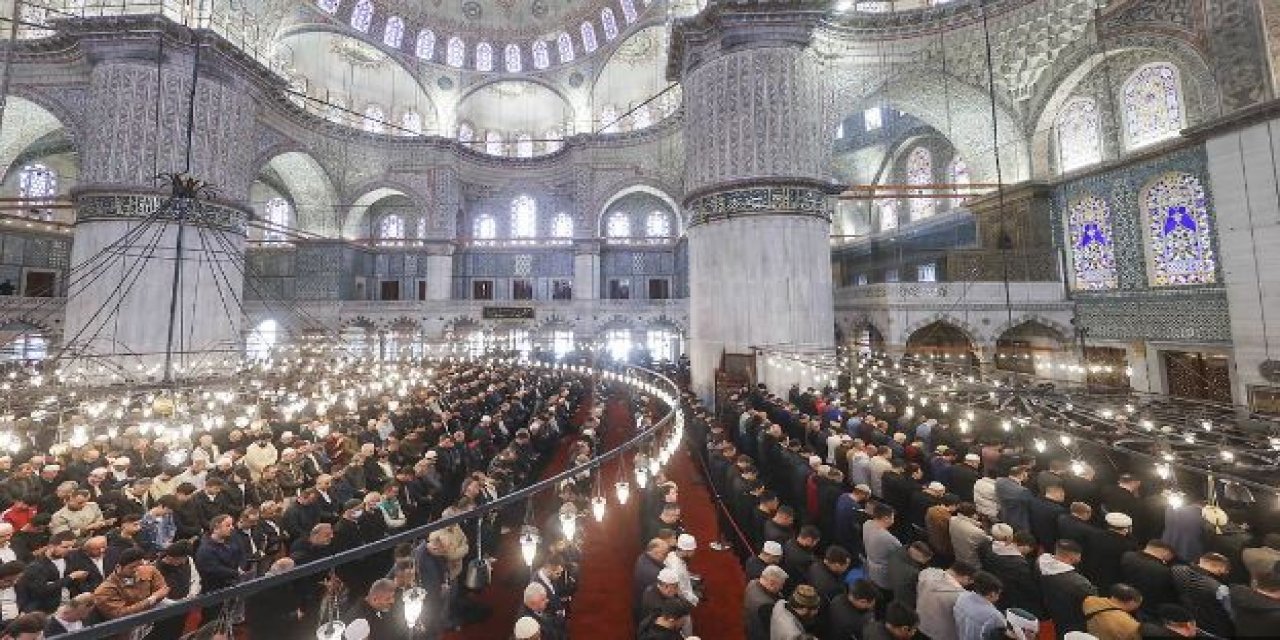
(1065, 440)
(642, 478)
(1077, 467)
(332, 630)
(1176, 499)
(653, 467)
(414, 600)
(569, 525)
(1006, 425)
(529, 540)
(597, 507)
(1040, 445)
(1162, 470)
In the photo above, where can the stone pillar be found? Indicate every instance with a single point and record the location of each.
(117, 312)
(757, 150)
(439, 270)
(586, 270)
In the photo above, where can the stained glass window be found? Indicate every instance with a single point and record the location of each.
(329, 6)
(524, 146)
(511, 58)
(657, 225)
(1079, 142)
(888, 215)
(553, 140)
(629, 10)
(564, 45)
(588, 31)
(425, 48)
(642, 117)
(872, 119)
(610, 23)
(411, 123)
(541, 58)
(37, 182)
(465, 133)
(920, 172)
(373, 118)
(393, 33)
(1152, 105)
(619, 226)
(391, 227)
(362, 16)
(484, 57)
(1093, 255)
(609, 119)
(524, 217)
(493, 143)
(1178, 231)
(279, 217)
(455, 52)
(486, 227)
(562, 226)
(927, 272)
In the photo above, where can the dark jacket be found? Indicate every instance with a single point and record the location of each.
(1021, 586)
(1149, 575)
(827, 584)
(1257, 616)
(1102, 554)
(645, 574)
(1044, 520)
(1064, 594)
(219, 563)
(79, 561)
(1198, 591)
(39, 588)
(844, 621)
(904, 574)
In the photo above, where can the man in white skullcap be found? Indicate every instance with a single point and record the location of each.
(677, 562)
(527, 629)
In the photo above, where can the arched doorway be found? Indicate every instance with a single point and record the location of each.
(1027, 348)
(941, 341)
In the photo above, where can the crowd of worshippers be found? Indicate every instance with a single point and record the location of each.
(862, 523)
(111, 529)
(664, 591)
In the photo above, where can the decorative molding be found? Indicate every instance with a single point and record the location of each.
(200, 213)
(782, 200)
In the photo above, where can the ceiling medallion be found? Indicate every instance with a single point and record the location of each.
(359, 53)
(445, 83)
(472, 10)
(575, 79)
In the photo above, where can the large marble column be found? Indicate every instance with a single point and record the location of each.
(586, 270)
(129, 229)
(439, 270)
(758, 142)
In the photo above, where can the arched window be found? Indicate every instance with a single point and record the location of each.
(391, 227)
(618, 226)
(1079, 139)
(484, 57)
(553, 140)
(608, 119)
(493, 143)
(465, 133)
(524, 217)
(486, 228)
(329, 6)
(524, 145)
(455, 52)
(629, 10)
(562, 226)
(362, 16)
(642, 117)
(657, 225)
(888, 215)
(1093, 255)
(1152, 105)
(261, 340)
(920, 172)
(278, 214)
(588, 32)
(425, 48)
(411, 123)
(564, 45)
(511, 58)
(541, 59)
(37, 182)
(609, 22)
(374, 118)
(1178, 231)
(393, 33)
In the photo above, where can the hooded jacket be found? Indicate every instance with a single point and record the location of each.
(1257, 615)
(935, 603)
(1064, 593)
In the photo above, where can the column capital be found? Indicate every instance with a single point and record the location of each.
(723, 27)
(439, 247)
(587, 247)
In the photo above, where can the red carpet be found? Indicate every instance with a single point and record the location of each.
(609, 552)
(510, 573)
(719, 615)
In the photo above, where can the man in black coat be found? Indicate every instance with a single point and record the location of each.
(1045, 510)
(40, 587)
(1074, 524)
(1103, 552)
(1148, 572)
(550, 626)
(798, 554)
(378, 609)
(827, 576)
(94, 557)
(647, 566)
(1064, 588)
(963, 476)
(1011, 561)
(1199, 589)
(1257, 608)
(850, 612)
